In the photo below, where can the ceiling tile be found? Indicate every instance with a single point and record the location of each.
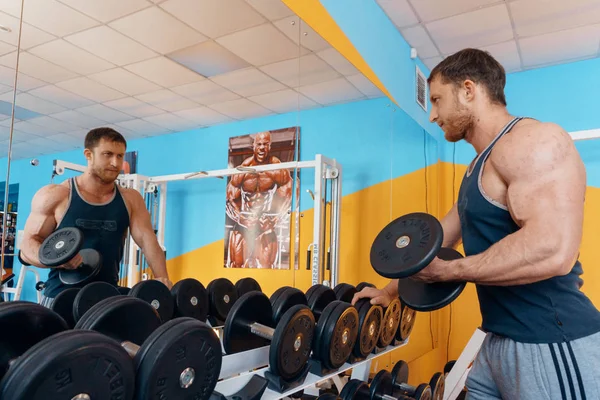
(334, 91)
(248, 82)
(70, 57)
(55, 17)
(125, 81)
(48, 143)
(4, 89)
(474, 29)
(172, 122)
(60, 96)
(107, 10)
(167, 100)
(338, 61)
(30, 36)
(560, 46)
(134, 107)
(164, 72)
(205, 92)
(128, 134)
(104, 113)
(399, 12)
(79, 119)
(33, 103)
(24, 82)
(535, 17)
(208, 58)
(53, 123)
(90, 89)
(111, 45)
(143, 127)
(34, 129)
(37, 68)
(418, 38)
(261, 45)
(6, 48)
(158, 30)
(365, 85)
(432, 62)
(272, 9)
(203, 116)
(429, 10)
(241, 109)
(306, 70)
(301, 33)
(284, 101)
(214, 18)
(507, 54)
(65, 139)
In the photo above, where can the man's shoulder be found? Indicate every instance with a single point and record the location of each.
(56, 191)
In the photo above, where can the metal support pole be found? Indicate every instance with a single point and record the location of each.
(318, 226)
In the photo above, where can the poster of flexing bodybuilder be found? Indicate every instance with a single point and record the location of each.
(258, 204)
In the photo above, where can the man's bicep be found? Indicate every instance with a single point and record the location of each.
(139, 218)
(41, 220)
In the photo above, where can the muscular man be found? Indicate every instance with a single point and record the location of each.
(94, 203)
(519, 215)
(257, 202)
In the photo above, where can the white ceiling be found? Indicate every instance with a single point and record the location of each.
(521, 34)
(129, 65)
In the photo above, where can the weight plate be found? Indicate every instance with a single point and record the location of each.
(344, 292)
(320, 329)
(448, 367)
(408, 316)
(246, 285)
(354, 390)
(422, 296)
(23, 325)
(423, 392)
(60, 246)
(292, 342)
(221, 297)
(158, 295)
(191, 299)
(180, 360)
(437, 383)
(90, 295)
(251, 307)
(391, 320)
(381, 385)
(318, 297)
(406, 245)
(340, 335)
(92, 263)
(63, 305)
(123, 290)
(400, 373)
(370, 320)
(71, 365)
(122, 318)
(285, 300)
(363, 285)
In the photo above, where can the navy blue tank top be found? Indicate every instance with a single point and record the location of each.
(550, 311)
(104, 227)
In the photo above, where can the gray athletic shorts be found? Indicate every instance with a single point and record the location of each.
(505, 369)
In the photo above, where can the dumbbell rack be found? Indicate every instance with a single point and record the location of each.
(237, 370)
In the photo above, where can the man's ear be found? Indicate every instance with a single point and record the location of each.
(88, 154)
(469, 88)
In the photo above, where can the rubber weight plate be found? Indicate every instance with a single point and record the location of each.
(60, 246)
(391, 320)
(90, 267)
(292, 342)
(191, 299)
(381, 385)
(408, 316)
(363, 285)
(406, 245)
(370, 320)
(251, 307)
(90, 295)
(422, 296)
(71, 365)
(246, 285)
(180, 360)
(63, 305)
(284, 300)
(221, 297)
(355, 389)
(437, 383)
(158, 295)
(318, 297)
(344, 292)
(339, 335)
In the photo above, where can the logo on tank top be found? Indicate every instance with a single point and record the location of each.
(95, 224)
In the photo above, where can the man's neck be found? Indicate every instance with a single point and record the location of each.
(92, 184)
(487, 126)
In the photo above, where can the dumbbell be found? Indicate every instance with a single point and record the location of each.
(249, 325)
(178, 359)
(190, 298)
(42, 359)
(406, 246)
(285, 298)
(246, 285)
(72, 303)
(337, 327)
(64, 244)
(222, 295)
(344, 292)
(408, 317)
(399, 378)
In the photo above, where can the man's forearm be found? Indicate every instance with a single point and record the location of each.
(30, 249)
(392, 288)
(156, 259)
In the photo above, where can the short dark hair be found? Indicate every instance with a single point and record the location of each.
(94, 136)
(476, 65)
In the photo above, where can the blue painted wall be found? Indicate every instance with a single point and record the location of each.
(372, 140)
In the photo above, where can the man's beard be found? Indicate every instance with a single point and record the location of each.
(458, 125)
(103, 175)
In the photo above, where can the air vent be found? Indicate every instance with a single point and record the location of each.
(421, 89)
